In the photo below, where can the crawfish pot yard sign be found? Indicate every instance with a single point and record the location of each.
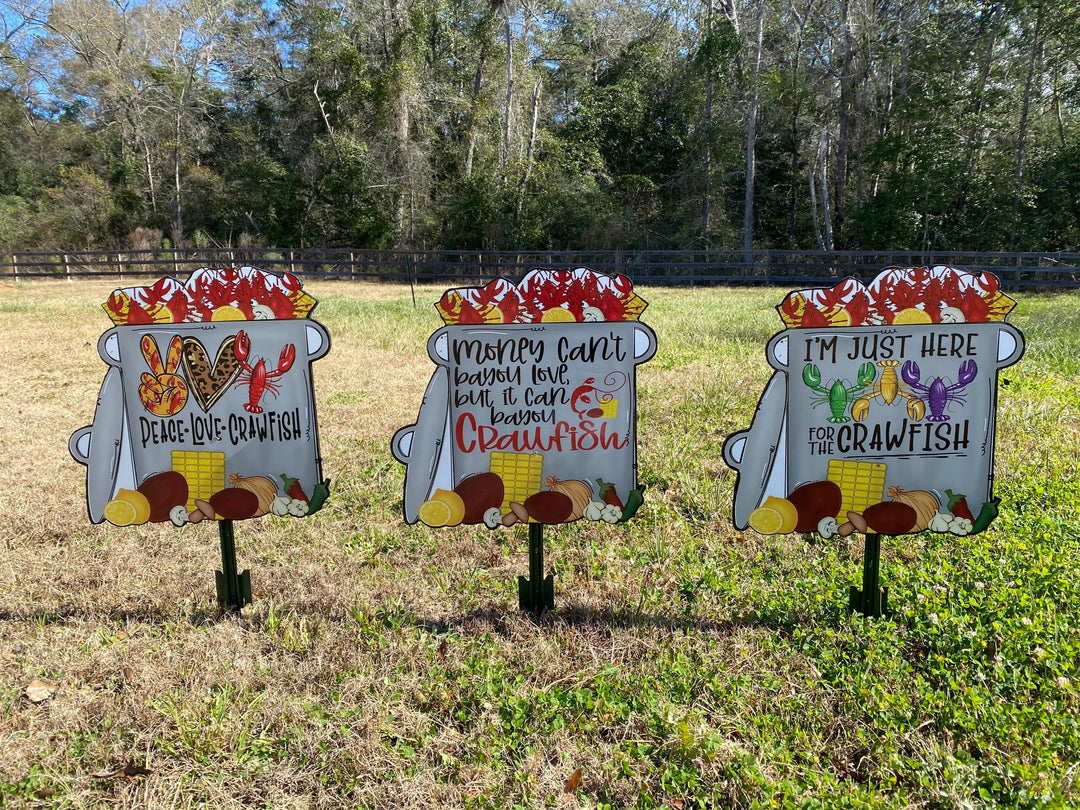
(207, 409)
(880, 416)
(530, 415)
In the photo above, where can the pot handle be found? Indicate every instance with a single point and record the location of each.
(734, 445)
(1010, 345)
(318, 340)
(777, 350)
(402, 444)
(79, 444)
(644, 343)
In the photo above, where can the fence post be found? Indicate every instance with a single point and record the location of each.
(15, 266)
(119, 265)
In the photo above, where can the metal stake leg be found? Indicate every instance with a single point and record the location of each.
(537, 593)
(233, 590)
(873, 600)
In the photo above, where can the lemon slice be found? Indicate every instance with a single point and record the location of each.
(228, 312)
(434, 513)
(789, 515)
(129, 507)
(558, 315)
(766, 520)
(443, 508)
(454, 503)
(838, 316)
(912, 315)
(119, 512)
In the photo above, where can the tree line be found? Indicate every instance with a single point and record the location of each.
(540, 124)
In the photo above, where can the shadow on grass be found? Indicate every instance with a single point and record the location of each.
(197, 616)
(573, 614)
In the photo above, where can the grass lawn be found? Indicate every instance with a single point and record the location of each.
(385, 665)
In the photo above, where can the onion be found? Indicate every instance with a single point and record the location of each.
(579, 493)
(264, 488)
(924, 503)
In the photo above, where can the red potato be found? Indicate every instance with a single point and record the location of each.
(164, 491)
(235, 503)
(814, 501)
(549, 507)
(890, 517)
(479, 493)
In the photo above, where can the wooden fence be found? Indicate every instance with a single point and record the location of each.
(762, 267)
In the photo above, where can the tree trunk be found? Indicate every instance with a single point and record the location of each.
(823, 167)
(178, 227)
(326, 121)
(845, 114)
(814, 210)
(402, 133)
(1036, 47)
(474, 130)
(531, 148)
(991, 20)
(504, 156)
(150, 182)
(706, 198)
(751, 140)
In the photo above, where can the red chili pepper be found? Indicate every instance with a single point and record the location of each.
(958, 506)
(293, 489)
(608, 493)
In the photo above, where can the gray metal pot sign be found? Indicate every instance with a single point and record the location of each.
(531, 413)
(207, 409)
(880, 416)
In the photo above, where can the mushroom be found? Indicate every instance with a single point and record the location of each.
(493, 518)
(519, 511)
(179, 515)
(857, 520)
(827, 527)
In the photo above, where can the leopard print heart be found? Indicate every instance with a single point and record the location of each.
(206, 382)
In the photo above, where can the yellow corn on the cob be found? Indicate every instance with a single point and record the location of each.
(204, 471)
(521, 474)
(610, 407)
(862, 483)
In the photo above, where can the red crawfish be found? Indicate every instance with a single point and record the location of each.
(257, 378)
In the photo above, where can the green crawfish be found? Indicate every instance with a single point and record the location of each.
(840, 395)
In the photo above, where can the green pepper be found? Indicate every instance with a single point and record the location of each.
(634, 499)
(986, 516)
(319, 494)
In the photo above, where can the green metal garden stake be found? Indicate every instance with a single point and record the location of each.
(537, 593)
(233, 590)
(873, 600)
